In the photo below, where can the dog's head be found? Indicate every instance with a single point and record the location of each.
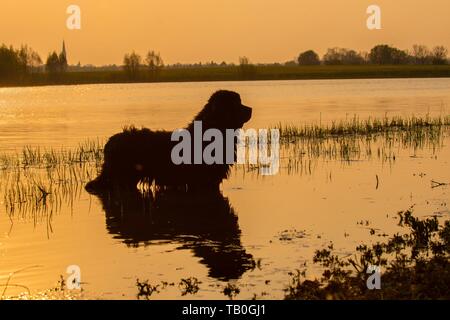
(225, 110)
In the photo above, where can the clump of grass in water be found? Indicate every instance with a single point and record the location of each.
(189, 286)
(37, 181)
(231, 291)
(416, 266)
(146, 289)
(58, 292)
(39, 190)
(64, 172)
(349, 140)
(414, 126)
(355, 140)
(89, 151)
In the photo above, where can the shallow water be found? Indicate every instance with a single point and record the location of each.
(66, 115)
(273, 224)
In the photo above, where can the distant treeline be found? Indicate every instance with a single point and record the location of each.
(380, 54)
(24, 66)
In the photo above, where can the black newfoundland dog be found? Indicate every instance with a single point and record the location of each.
(142, 155)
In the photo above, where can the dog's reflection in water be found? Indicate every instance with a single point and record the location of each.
(205, 223)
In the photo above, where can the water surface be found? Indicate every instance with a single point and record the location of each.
(273, 224)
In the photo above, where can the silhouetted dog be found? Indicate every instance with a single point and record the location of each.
(144, 155)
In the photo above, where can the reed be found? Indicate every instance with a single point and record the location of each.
(413, 127)
(39, 181)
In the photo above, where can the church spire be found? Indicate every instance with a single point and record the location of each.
(63, 57)
(64, 49)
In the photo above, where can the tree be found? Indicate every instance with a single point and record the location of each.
(439, 55)
(10, 64)
(52, 66)
(308, 58)
(384, 54)
(132, 63)
(244, 61)
(19, 63)
(57, 64)
(421, 54)
(29, 58)
(246, 69)
(352, 57)
(34, 61)
(154, 62)
(335, 56)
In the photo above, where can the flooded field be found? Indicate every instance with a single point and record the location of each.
(343, 177)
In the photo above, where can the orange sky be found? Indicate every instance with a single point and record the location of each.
(202, 30)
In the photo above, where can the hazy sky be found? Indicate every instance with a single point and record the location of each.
(204, 30)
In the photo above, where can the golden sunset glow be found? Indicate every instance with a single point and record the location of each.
(205, 30)
(225, 150)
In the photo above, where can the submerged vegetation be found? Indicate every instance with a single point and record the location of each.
(354, 140)
(414, 265)
(35, 183)
(38, 180)
(413, 127)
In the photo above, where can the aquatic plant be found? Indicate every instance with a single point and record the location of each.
(231, 291)
(189, 286)
(416, 265)
(414, 126)
(38, 181)
(145, 289)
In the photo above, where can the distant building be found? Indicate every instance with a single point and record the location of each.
(63, 57)
(64, 53)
